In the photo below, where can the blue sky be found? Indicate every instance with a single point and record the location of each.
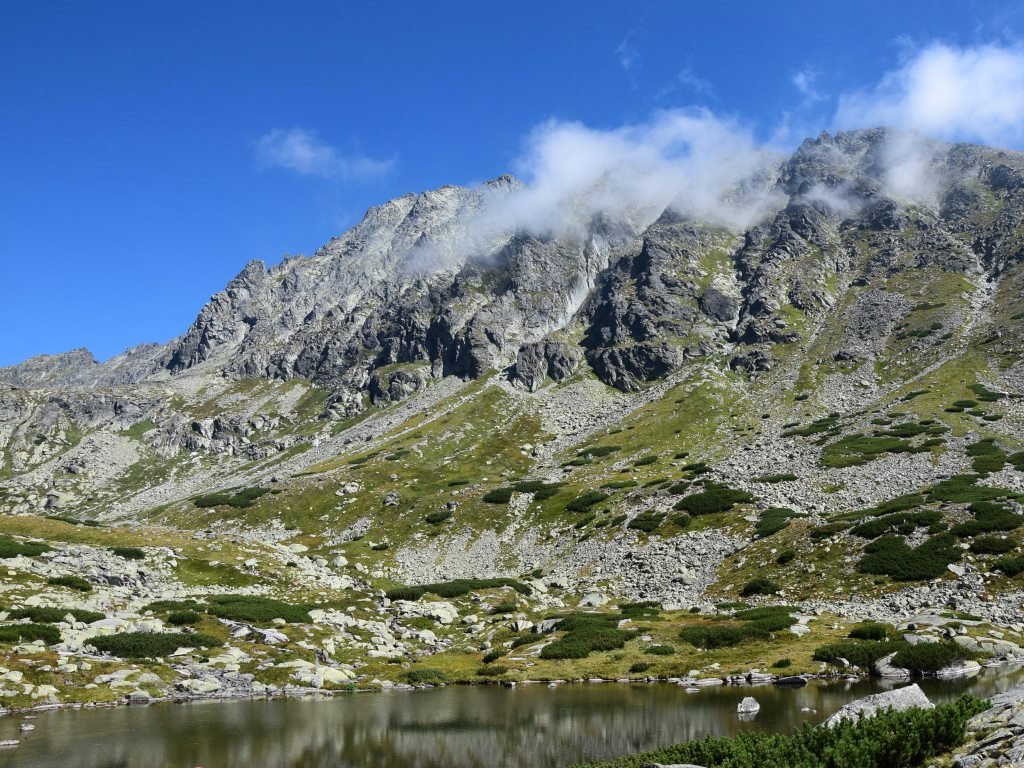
(148, 151)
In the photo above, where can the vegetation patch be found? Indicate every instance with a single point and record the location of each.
(870, 631)
(586, 501)
(903, 523)
(455, 588)
(599, 451)
(887, 740)
(856, 450)
(13, 548)
(928, 657)
(71, 582)
(183, 618)
(860, 653)
(774, 520)
(586, 633)
(242, 499)
(129, 553)
(988, 517)
(48, 615)
(435, 518)
(648, 522)
(149, 645)
(759, 586)
(783, 477)
(992, 545)
(498, 496)
(1011, 566)
(256, 609)
(828, 530)
(713, 499)
(890, 556)
(825, 424)
(426, 676)
(29, 633)
(987, 457)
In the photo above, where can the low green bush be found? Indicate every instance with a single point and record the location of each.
(494, 655)
(522, 640)
(987, 457)
(12, 548)
(828, 530)
(856, 450)
(716, 635)
(29, 633)
(183, 618)
(616, 485)
(1011, 566)
(538, 488)
(498, 496)
(890, 556)
(47, 615)
(455, 588)
(493, 670)
(660, 650)
(586, 501)
(782, 477)
(964, 489)
(988, 517)
(426, 676)
(149, 645)
(774, 520)
(165, 606)
(645, 461)
(759, 586)
(785, 556)
(241, 500)
(715, 498)
(783, 663)
(509, 606)
(435, 518)
(642, 609)
(992, 545)
(648, 522)
(986, 395)
(640, 667)
(599, 451)
(71, 582)
(585, 633)
(129, 553)
(928, 657)
(256, 609)
(869, 631)
(860, 653)
(903, 523)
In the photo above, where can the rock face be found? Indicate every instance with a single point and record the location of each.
(996, 736)
(419, 281)
(908, 697)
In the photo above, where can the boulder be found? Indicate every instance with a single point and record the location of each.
(749, 706)
(908, 697)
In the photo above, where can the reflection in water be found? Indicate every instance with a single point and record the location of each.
(457, 727)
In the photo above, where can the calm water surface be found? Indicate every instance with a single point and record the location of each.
(457, 727)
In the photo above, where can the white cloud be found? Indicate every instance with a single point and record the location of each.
(971, 93)
(693, 161)
(693, 81)
(301, 152)
(628, 55)
(803, 81)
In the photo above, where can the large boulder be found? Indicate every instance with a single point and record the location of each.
(908, 697)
